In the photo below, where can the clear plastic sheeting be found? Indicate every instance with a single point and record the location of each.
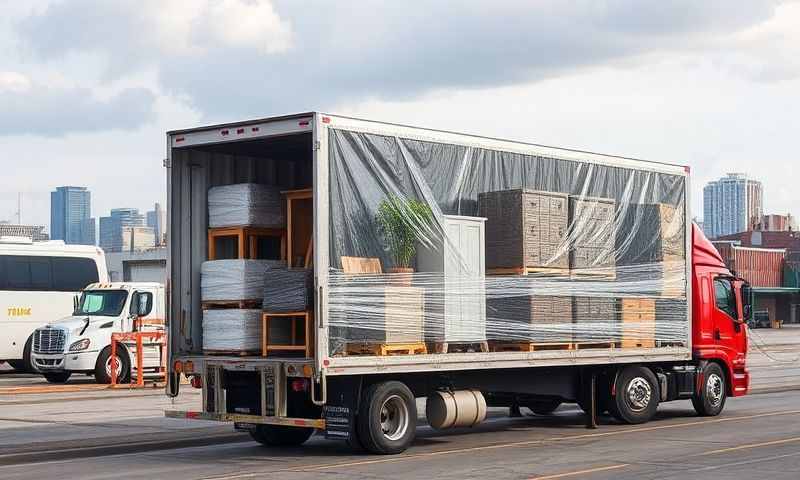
(235, 330)
(231, 280)
(249, 204)
(530, 252)
(288, 290)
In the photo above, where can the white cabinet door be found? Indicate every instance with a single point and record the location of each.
(465, 313)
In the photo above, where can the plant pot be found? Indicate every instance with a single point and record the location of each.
(401, 276)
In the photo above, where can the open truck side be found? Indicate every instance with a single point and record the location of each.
(357, 385)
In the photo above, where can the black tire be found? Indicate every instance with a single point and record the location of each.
(57, 377)
(543, 407)
(710, 401)
(387, 418)
(280, 435)
(102, 374)
(637, 395)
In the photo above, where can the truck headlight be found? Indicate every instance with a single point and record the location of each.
(80, 345)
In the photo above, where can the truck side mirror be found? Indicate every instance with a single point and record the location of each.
(748, 312)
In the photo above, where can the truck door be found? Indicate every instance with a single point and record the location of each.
(730, 334)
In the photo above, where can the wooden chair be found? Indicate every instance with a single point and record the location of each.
(295, 344)
(246, 240)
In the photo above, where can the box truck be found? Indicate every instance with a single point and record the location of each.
(326, 271)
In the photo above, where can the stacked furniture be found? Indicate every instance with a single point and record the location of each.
(456, 313)
(592, 233)
(287, 316)
(651, 247)
(539, 319)
(230, 292)
(389, 316)
(246, 220)
(526, 231)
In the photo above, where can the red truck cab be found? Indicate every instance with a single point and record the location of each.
(720, 309)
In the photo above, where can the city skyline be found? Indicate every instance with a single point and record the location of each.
(731, 204)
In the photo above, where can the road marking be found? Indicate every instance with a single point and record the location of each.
(750, 445)
(581, 472)
(524, 443)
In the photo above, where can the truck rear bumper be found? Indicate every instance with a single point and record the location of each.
(242, 418)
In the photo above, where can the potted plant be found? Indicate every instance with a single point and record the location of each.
(403, 222)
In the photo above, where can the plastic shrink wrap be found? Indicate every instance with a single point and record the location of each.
(228, 280)
(243, 204)
(232, 330)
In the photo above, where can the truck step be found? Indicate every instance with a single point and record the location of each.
(504, 346)
(384, 349)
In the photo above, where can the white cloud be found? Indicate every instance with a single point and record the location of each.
(14, 82)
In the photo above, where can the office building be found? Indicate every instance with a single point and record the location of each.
(112, 238)
(732, 204)
(778, 223)
(71, 216)
(156, 219)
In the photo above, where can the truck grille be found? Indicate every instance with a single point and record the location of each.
(48, 340)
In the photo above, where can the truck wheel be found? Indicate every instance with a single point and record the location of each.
(102, 367)
(710, 401)
(387, 418)
(637, 394)
(57, 377)
(280, 435)
(543, 407)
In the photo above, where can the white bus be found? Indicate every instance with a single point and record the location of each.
(38, 283)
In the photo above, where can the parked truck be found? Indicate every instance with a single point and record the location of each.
(81, 342)
(469, 270)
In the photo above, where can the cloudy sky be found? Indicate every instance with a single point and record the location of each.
(88, 87)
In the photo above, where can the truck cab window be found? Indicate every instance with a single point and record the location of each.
(725, 298)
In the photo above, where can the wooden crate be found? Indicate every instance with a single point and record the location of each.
(638, 316)
(293, 335)
(591, 222)
(524, 228)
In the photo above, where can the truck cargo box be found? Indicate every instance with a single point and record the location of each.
(573, 232)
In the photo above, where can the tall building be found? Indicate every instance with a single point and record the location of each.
(732, 204)
(156, 219)
(112, 238)
(71, 216)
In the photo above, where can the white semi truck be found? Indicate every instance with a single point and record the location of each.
(81, 342)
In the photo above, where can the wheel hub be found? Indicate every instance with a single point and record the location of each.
(118, 365)
(714, 390)
(639, 394)
(394, 417)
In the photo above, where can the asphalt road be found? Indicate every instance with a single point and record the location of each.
(758, 436)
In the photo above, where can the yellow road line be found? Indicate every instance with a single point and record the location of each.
(581, 472)
(750, 445)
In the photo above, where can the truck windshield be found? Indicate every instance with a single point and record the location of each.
(105, 303)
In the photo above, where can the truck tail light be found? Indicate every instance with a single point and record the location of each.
(196, 381)
(300, 385)
(177, 367)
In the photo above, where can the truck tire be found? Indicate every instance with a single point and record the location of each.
(387, 418)
(102, 367)
(543, 407)
(57, 377)
(280, 435)
(710, 401)
(637, 395)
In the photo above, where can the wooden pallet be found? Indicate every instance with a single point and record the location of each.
(585, 345)
(385, 349)
(223, 304)
(592, 273)
(527, 271)
(459, 347)
(233, 353)
(503, 346)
